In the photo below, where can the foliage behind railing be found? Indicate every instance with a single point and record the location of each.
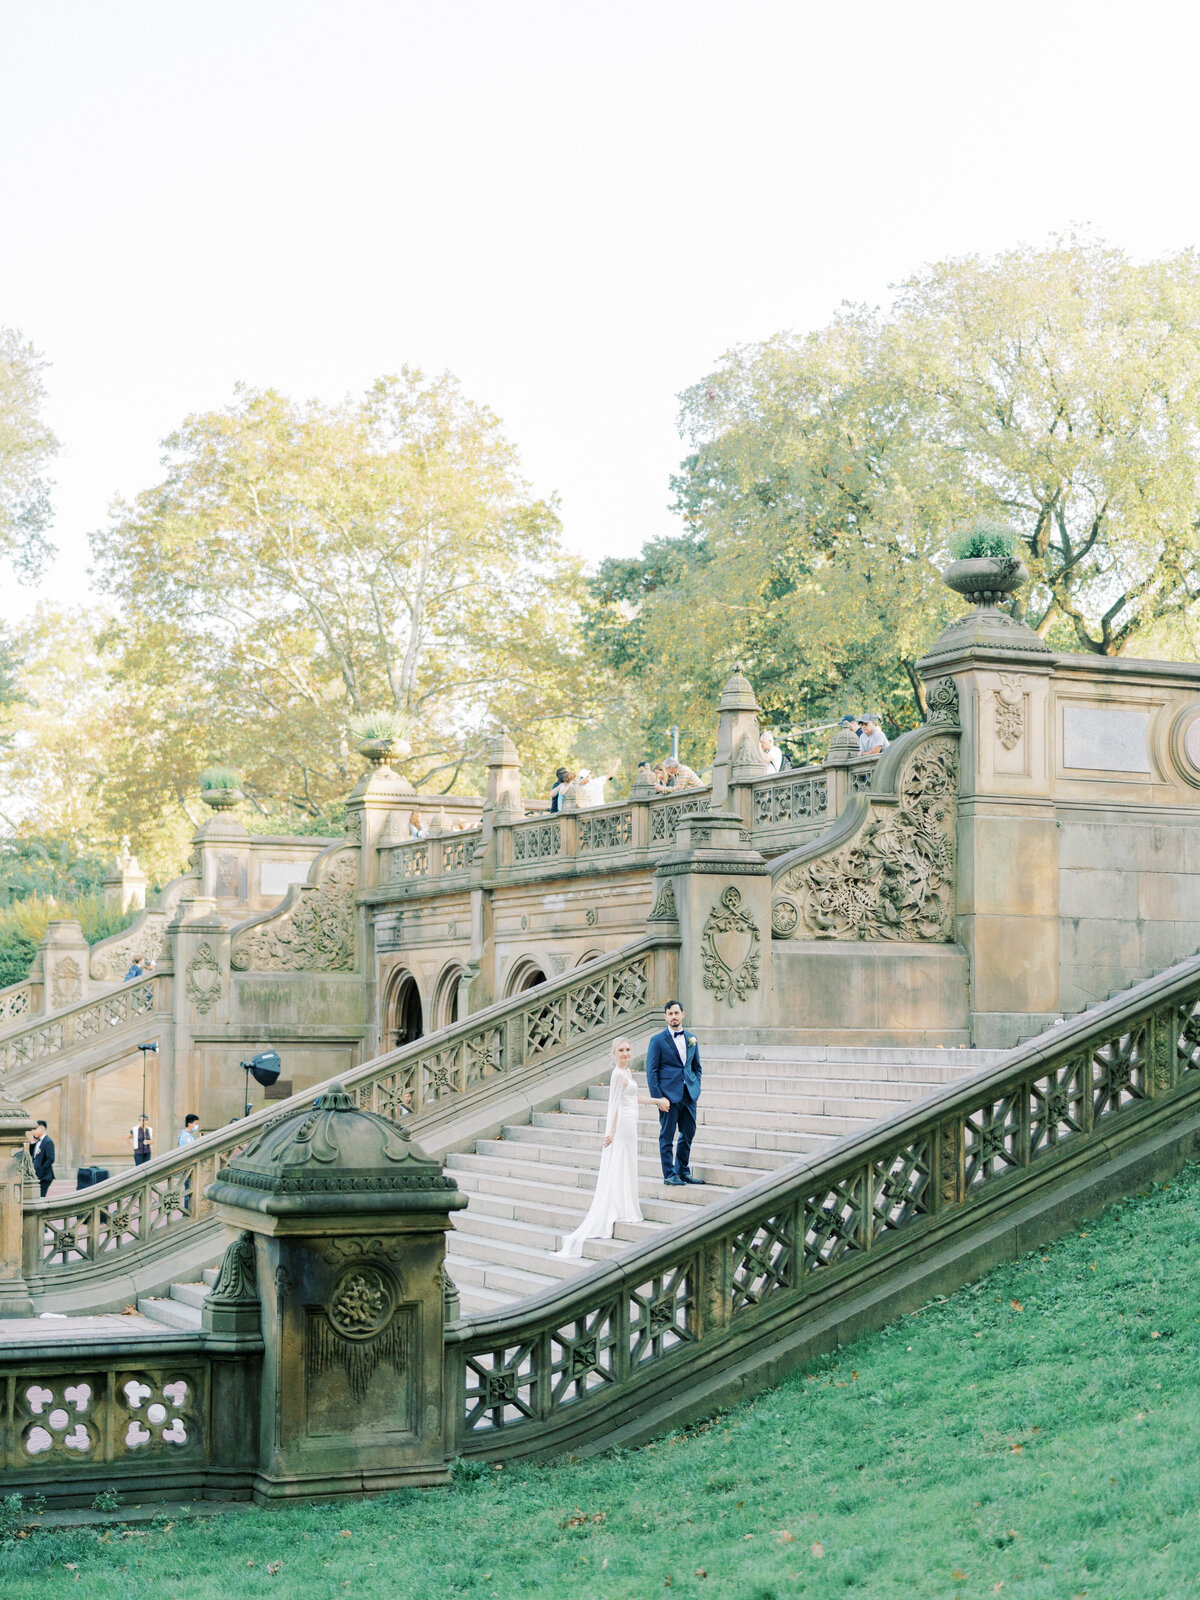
(789, 1240)
(161, 1202)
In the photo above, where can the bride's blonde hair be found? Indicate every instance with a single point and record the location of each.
(615, 1046)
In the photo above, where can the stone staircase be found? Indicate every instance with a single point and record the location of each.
(762, 1106)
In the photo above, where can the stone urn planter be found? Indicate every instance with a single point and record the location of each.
(222, 799)
(985, 580)
(382, 752)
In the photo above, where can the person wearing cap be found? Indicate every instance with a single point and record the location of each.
(872, 740)
(588, 791)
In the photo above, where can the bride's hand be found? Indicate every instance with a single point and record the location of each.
(608, 1138)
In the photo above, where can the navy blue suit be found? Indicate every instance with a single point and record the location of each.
(668, 1078)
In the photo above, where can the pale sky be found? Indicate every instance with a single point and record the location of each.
(575, 208)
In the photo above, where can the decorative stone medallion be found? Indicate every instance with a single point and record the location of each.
(361, 1303)
(729, 949)
(204, 978)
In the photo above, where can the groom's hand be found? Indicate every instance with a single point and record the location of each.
(664, 1104)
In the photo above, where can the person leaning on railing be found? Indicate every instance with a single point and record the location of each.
(677, 776)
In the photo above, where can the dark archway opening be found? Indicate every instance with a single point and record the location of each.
(405, 1019)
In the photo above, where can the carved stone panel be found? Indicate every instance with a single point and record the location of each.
(729, 949)
(204, 978)
(317, 932)
(67, 985)
(894, 879)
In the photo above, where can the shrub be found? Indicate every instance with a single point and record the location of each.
(25, 922)
(378, 725)
(219, 778)
(984, 539)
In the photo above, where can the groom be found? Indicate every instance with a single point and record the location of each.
(673, 1079)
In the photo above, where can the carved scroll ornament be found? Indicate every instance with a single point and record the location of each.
(729, 949)
(894, 879)
(1010, 709)
(314, 932)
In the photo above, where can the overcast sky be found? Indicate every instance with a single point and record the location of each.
(575, 208)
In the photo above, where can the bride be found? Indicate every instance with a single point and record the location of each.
(616, 1196)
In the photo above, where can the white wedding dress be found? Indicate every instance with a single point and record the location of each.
(616, 1196)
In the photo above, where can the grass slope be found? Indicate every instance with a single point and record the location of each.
(1032, 1436)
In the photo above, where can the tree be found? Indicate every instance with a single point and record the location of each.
(300, 564)
(1056, 389)
(26, 445)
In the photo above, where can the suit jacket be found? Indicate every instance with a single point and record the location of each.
(43, 1161)
(666, 1076)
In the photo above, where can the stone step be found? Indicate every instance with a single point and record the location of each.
(190, 1294)
(720, 1143)
(523, 1205)
(714, 1108)
(512, 1283)
(210, 1275)
(169, 1311)
(780, 1088)
(739, 1163)
(510, 1176)
(751, 1129)
(960, 1059)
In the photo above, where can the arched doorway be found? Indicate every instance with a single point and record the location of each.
(525, 975)
(405, 1021)
(449, 1002)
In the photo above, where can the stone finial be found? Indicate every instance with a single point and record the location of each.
(738, 693)
(843, 748)
(502, 752)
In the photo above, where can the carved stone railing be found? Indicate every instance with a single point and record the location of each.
(663, 1321)
(458, 850)
(792, 797)
(666, 811)
(81, 1412)
(18, 1001)
(81, 1025)
(159, 1208)
(315, 926)
(536, 840)
(605, 830)
(885, 868)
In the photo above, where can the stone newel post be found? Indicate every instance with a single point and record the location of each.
(16, 1182)
(717, 887)
(739, 758)
(348, 1219)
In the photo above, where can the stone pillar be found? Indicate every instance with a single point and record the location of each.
(222, 847)
(992, 675)
(200, 1005)
(502, 804)
(16, 1182)
(62, 960)
(125, 886)
(377, 812)
(739, 758)
(348, 1219)
(717, 888)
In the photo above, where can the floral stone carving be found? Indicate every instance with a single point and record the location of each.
(1010, 709)
(314, 932)
(68, 982)
(895, 878)
(358, 1329)
(664, 904)
(146, 938)
(237, 1281)
(204, 978)
(942, 703)
(729, 949)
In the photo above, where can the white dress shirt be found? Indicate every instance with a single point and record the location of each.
(680, 1039)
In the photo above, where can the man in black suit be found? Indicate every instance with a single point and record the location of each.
(42, 1151)
(673, 1079)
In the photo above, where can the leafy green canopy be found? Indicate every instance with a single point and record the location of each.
(26, 445)
(1056, 391)
(303, 566)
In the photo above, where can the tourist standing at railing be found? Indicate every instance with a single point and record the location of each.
(587, 791)
(872, 740)
(562, 781)
(772, 754)
(416, 826)
(141, 1138)
(42, 1151)
(616, 1194)
(190, 1131)
(673, 1079)
(677, 776)
(136, 969)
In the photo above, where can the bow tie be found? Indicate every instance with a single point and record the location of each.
(677, 1033)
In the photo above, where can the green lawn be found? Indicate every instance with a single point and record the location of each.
(1035, 1435)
